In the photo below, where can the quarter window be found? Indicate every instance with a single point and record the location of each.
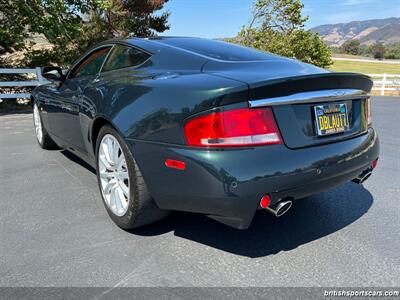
(91, 65)
(123, 57)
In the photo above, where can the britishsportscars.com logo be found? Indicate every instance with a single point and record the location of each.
(361, 293)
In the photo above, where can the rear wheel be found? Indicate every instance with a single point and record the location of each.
(121, 183)
(41, 134)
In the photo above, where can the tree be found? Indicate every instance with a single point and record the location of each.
(278, 15)
(12, 29)
(392, 51)
(351, 47)
(72, 26)
(277, 26)
(378, 50)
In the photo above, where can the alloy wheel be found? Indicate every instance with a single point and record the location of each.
(114, 176)
(38, 124)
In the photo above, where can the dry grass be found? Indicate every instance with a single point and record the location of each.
(368, 68)
(387, 93)
(364, 67)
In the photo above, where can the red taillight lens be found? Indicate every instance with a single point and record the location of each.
(368, 111)
(233, 128)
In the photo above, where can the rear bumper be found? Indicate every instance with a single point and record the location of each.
(227, 185)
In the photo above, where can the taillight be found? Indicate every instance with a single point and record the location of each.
(368, 111)
(233, 128)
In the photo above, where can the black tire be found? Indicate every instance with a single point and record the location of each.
(142, 209)
(46, 142)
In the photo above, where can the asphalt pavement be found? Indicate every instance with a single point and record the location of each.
(54, 230)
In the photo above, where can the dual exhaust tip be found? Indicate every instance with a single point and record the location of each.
(278, 209)
(366, 173)
(362, 177)
(281, 207)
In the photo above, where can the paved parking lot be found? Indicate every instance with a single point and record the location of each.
(54, 230)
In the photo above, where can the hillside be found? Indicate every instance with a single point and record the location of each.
(368, 32)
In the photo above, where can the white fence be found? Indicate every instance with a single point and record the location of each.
(16, 84)
(382, 82)
(386, 82)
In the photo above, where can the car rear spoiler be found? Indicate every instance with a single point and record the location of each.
(312, 97)
(310, 88)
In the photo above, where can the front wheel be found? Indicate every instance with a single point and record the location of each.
(121, 183)
(41, 134)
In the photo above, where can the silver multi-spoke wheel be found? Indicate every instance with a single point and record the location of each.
(38, 124)
(124, 192)
(114, 177)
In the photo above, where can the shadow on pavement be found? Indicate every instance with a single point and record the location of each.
(78, 160)
(309, 219)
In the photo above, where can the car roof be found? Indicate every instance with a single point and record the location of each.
(209, 48)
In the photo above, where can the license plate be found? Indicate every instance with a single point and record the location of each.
(331, 118)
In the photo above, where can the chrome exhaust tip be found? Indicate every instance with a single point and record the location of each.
(280, 208)
(364, 176)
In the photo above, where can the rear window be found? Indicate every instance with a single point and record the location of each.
(123, 56)
(217, 49)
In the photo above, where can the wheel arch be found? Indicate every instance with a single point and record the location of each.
(97, 124)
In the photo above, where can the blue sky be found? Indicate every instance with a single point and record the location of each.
(224, 18)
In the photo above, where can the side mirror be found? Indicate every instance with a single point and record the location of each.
(53, 73)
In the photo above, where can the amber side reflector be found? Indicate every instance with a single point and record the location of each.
(175, 164)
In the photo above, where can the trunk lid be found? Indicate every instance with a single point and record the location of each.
(255, 73)
(294, 89)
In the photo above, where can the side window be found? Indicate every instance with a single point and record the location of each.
(123, 57)
(91, 65)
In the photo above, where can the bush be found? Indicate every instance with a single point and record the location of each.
(351, 47)
(378, 50)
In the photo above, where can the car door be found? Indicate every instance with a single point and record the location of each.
(119, 78)
(64, 107)
(120, 75)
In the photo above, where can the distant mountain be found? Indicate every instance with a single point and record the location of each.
(368, 32)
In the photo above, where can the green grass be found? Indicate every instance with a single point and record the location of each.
(364, 67)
